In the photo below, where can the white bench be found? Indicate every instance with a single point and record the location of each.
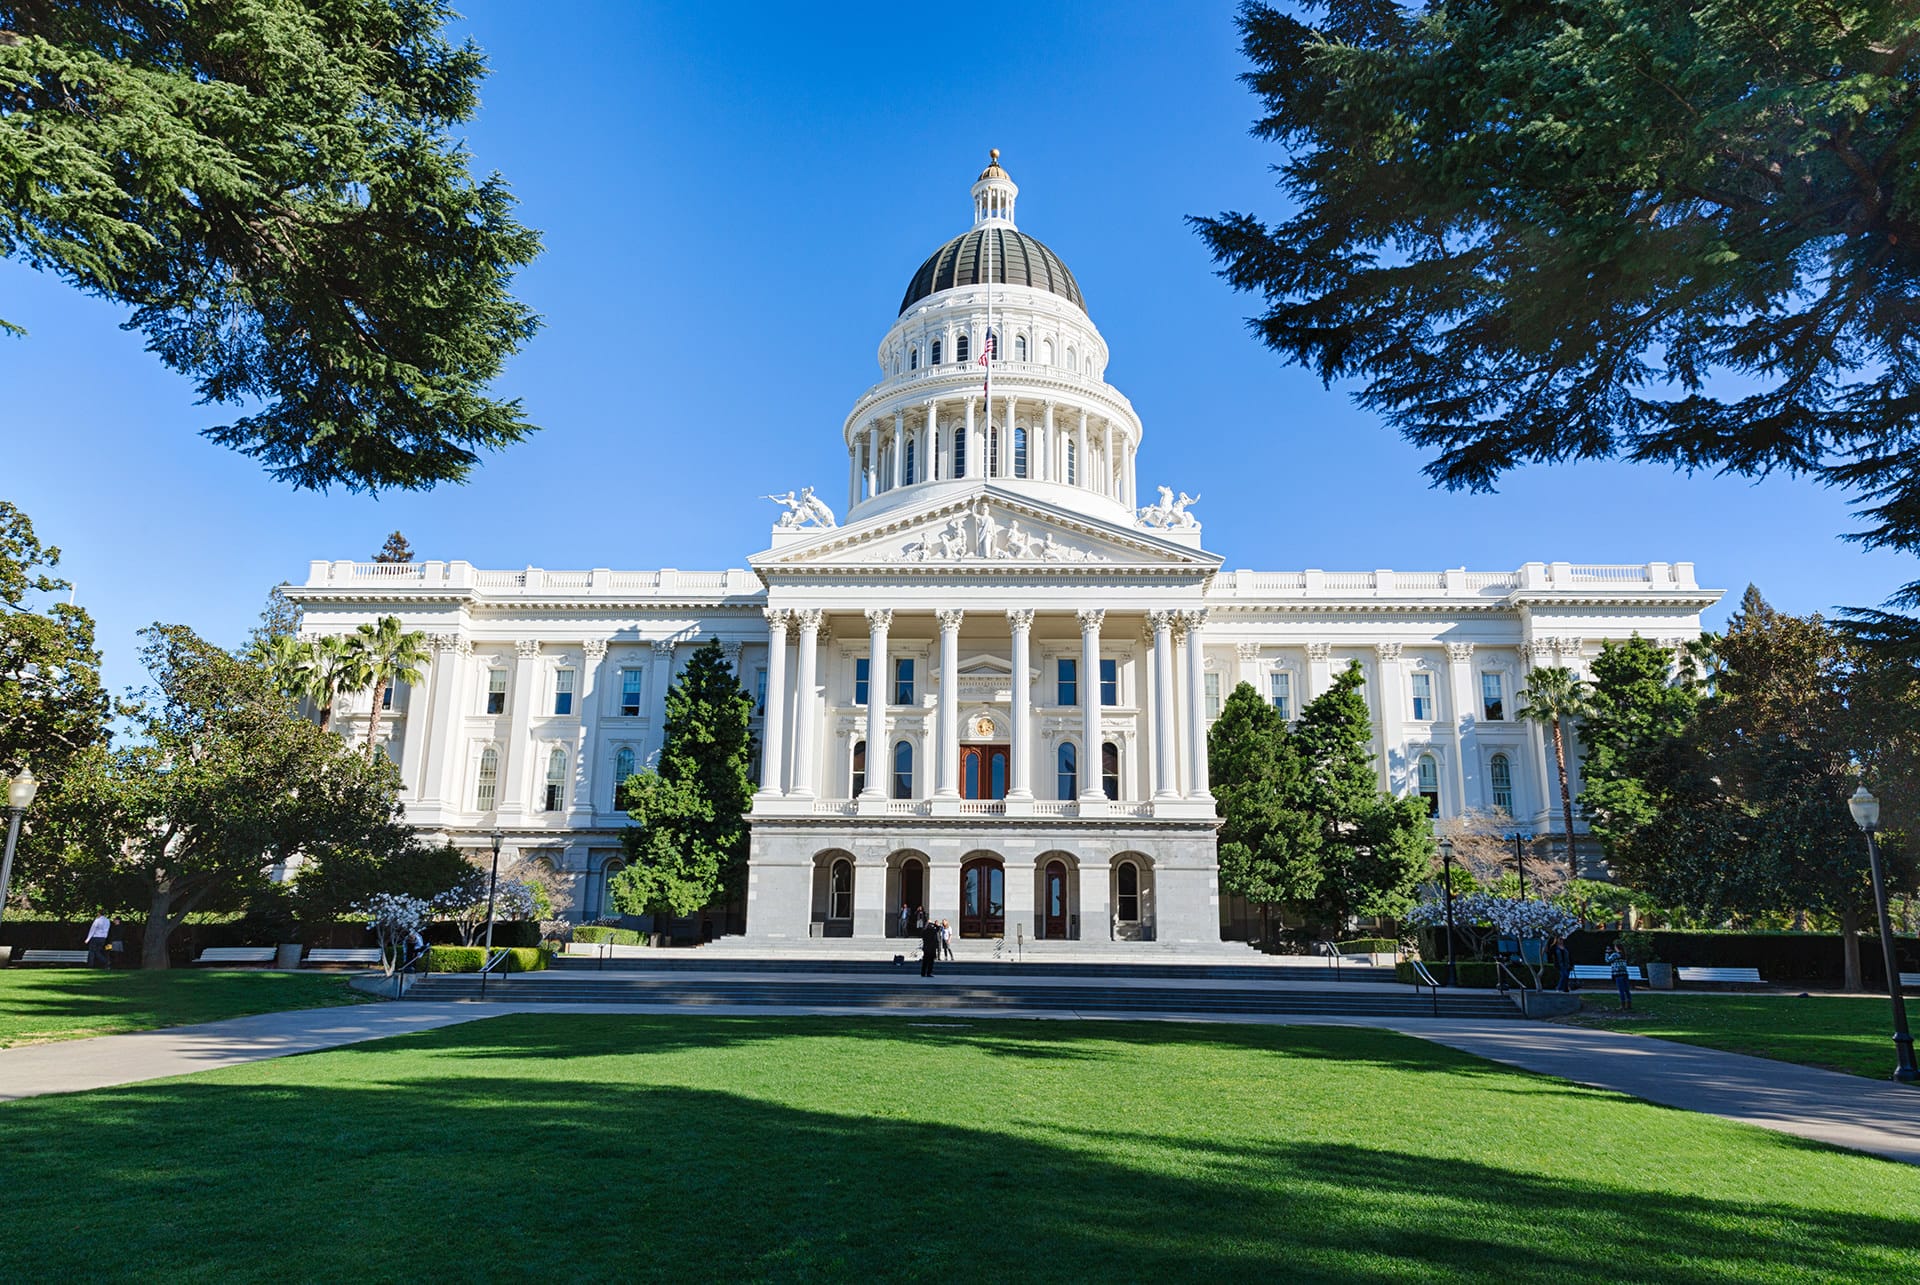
(53, 957)
(344, 955)
(1910, 979)
(236, 955)
(1604, 973)
(1719, 976)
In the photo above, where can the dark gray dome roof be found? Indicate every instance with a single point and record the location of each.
(1016, 259)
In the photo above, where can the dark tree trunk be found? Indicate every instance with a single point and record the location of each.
(153, 948)
(1850, 942)
(1566, 796)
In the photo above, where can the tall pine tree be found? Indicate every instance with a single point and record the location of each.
(1643, 697)
(688, 845)
(1268, 841)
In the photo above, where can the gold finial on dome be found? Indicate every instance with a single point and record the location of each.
(993, 155)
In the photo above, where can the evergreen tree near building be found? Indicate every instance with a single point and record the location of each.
(688, 844)
(1268, 845)
(52, 705)
(1643, 698)
(396, 549)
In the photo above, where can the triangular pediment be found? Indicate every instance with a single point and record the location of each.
(981, 528)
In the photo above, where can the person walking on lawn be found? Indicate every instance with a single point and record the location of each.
(96, 942)
(1617, 964)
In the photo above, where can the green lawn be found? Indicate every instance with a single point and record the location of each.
(1852, 1033)
(40, 1004)
(676, 1148)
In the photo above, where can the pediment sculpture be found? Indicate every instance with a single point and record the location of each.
(803, 510)
(981, 537)
(1170, 513)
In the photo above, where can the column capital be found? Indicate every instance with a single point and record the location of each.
(730, 651)
(1194, 618)
(950, 618)
(1459, 651)
(594, 648)
(879, 619)
(1159, 619)
(1247, 650)
(808, 619)
(663, 647)
(1020, 618)
(777, 618)
(1090, 618)
(1319, 651)
(449, 642)
(527, 648)
(1387, 650)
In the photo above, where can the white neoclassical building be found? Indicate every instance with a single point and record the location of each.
(985, 687)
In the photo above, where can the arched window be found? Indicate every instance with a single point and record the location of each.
(622, 769)
(556, 793)
(1500, 772)
(1068, 772)
(960, 452)
(993, 451)
(1046, 352)
(936, 352)
(1019, 347)
(840, 891)
(1019, 452)
(913, 358)
(859, 767)
(1073, 463)
(960, 348)
(903, 770)
(1127, 904)
(1110, 770)
(1073, 359)
(488, 781)
(1429, 781)
(912, 460)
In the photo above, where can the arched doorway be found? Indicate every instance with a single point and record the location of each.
(1053, 902)
(983, 898)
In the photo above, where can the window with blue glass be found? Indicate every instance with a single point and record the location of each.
(860, 665)
(903, 680)
(1068, 772)
(903, 770)
(1423, 698)
(1109, 681)
(1067, 681)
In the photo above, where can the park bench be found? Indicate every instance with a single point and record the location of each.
(1690, 976)
(53, 957)
(1910, 979)
(236, 955)
(1604, 973)
(367, 955)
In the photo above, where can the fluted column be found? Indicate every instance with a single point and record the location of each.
(853, 475)
(1164, 718)
(1082, 462)
(899, 449)
(947, 785)
(1021, 621)
(1198, 787)
(805, 752)
(774, 725)
(593, 652)
(974, 466)
(930, 469)
(873, 460)
(1090, 787)
(879, 620)
(1006, 443)
(1047, 472)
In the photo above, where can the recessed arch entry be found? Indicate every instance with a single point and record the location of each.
(983, 896)
(1057, 897)
(833, 882)
(906, 884)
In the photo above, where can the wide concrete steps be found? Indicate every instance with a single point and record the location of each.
(914, 993)
(681, 963)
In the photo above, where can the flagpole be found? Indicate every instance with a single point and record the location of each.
(993, 349)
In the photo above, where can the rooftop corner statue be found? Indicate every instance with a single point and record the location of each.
(985, 690)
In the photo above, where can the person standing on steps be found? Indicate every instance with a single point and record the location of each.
(1617, 964)
(929, 947)
(906, 917)
(946, 940)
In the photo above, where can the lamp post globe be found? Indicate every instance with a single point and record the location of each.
(1866, 815)
(20, 792)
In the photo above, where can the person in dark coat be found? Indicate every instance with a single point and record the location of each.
(1563, 962)
(929, 947)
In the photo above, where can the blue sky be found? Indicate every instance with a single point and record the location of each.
(733, 199)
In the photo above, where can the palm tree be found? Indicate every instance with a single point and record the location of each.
(1551, 697)
(385, 653)
(336, 666)
(289, 660)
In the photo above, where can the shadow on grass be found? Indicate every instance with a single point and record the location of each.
(434, 1164)
(52, 999)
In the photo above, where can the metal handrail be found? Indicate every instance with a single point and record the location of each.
(1421, 977)
(1508, 975)
(499, 956)
(421, 962)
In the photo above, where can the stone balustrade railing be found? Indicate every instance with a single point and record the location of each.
(1655, 577)
(379, 576)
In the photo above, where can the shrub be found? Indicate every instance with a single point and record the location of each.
(1368, 946)
(1637, 948)
(1781, 957)
(470, 959)
(615, 936)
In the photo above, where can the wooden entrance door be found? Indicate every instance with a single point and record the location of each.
(1053, 923)
(983, 771)
(983, 898)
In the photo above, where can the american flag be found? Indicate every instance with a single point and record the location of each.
(986, 358)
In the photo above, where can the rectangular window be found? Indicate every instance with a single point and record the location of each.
(1280, 694)
(1067, 681)
(1423, 698)
(563, 691)
(1502, 774)
(860, 666)
(760, 692)
(903, 681)
(1212, 682)
(1492, 707)
(496, 691)
(630, 692)
(386, 696)
(1109, 681)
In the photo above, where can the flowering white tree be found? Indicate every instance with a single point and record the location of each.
(466, 904)
(1484, 913)
(392, 916)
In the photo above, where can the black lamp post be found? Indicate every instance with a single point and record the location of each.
(493, 882)
(1520, 860)
(20, 792)
(1866, 815)
(1446, 891)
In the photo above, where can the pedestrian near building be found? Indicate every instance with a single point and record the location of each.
(1617, 964)
(946, 940)
(96, 943)
(1563, 963)
(929, 947)
(906, 918)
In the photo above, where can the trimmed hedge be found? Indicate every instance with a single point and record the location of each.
(1479, 973)
(1781, 957)
(594, 934)
(1368, 946)
(471, 959)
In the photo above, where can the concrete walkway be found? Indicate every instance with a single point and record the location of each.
(1880, 1118)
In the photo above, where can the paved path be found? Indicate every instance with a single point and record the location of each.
(1844, 1110)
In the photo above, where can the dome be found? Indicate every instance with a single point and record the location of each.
(1015, 258)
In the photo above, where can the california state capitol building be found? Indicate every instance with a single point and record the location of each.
(983, 686)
